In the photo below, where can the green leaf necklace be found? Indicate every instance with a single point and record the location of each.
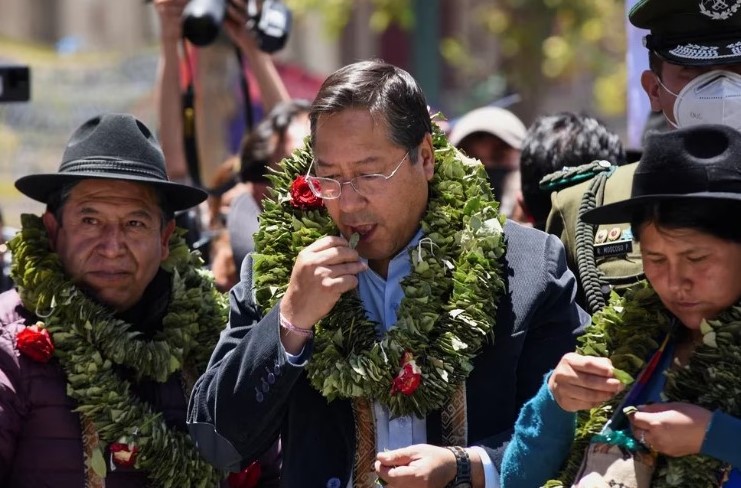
(90, 341)
(627, 331)
(450, 296)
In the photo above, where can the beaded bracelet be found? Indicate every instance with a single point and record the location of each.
(296, 330)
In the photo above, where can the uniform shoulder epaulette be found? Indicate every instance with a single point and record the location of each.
(571, 175)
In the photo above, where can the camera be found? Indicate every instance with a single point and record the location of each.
(15, 83)
(270, 23)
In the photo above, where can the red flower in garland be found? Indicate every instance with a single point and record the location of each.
(35, 342)
(409, 377)
(302, 196)
(249, 477)
(124, 453)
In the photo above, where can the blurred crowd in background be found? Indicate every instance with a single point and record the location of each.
(237, 97)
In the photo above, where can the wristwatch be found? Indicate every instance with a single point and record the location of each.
(463, 468)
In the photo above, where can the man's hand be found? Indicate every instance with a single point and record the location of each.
(323, 271)
(422, 466)
(583, 382)
(170, 13)
(235, 25)
(673, 429)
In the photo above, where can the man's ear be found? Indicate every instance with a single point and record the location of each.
(521, 213)
(52, 228)
(427, 155)
(650, 83)
(165, 238)
(520, 198)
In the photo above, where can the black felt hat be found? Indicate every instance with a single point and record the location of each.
(691, 32)
(112, 147)
(698, 162)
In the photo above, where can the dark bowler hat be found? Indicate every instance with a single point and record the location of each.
(112, 147)
(698, 162)
(691, 32)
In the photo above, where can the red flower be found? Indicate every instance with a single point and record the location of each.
(302, 196)
(124, 453)
(409, 377)
(249, 477)
(35, 342)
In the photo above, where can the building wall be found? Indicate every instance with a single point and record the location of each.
(102, 25)
(29, 20)
(97, 25)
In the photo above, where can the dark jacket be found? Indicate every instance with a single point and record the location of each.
(40, 436)
(250, 393)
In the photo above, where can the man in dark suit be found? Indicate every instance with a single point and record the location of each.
(451, 321)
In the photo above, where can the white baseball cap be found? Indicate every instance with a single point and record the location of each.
(493, 120)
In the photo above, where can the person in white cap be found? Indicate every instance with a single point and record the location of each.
(494, 136)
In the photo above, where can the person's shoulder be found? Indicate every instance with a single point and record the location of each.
(566, 201)
(619, 174)
(516, 230)
(533, 260)
(623, 176)
(244, 203)
(11, 319)
(11, 323)
(525, 242)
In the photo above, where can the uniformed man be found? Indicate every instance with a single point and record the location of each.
(694, 78)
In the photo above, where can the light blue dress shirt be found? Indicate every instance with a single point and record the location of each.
(381, 299)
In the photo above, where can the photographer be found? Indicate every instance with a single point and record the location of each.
(170, 102)
(171, 134)
(168, 93)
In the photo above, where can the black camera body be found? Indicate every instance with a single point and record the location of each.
(15, 83)
(271, 24)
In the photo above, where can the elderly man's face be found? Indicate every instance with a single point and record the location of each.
(110, 240)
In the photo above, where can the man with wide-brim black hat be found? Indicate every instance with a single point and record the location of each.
(694, 49)
(111, 321)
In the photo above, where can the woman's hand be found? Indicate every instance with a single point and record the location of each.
(583, 382)
(673, 429)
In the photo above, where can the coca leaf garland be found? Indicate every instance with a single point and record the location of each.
(450, 296)
(90, 341)
(630, 329)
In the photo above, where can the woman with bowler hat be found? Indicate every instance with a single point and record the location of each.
(657, 377)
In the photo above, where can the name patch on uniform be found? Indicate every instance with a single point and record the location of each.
(615, 248)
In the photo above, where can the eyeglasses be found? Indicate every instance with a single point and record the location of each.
(366, 185)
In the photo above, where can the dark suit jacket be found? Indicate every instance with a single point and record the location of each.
(250, 393)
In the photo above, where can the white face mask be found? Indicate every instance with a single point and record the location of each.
(711, 98)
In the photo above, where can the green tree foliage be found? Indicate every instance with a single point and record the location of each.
(546, 42)
(336, 13)
(542, 44)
